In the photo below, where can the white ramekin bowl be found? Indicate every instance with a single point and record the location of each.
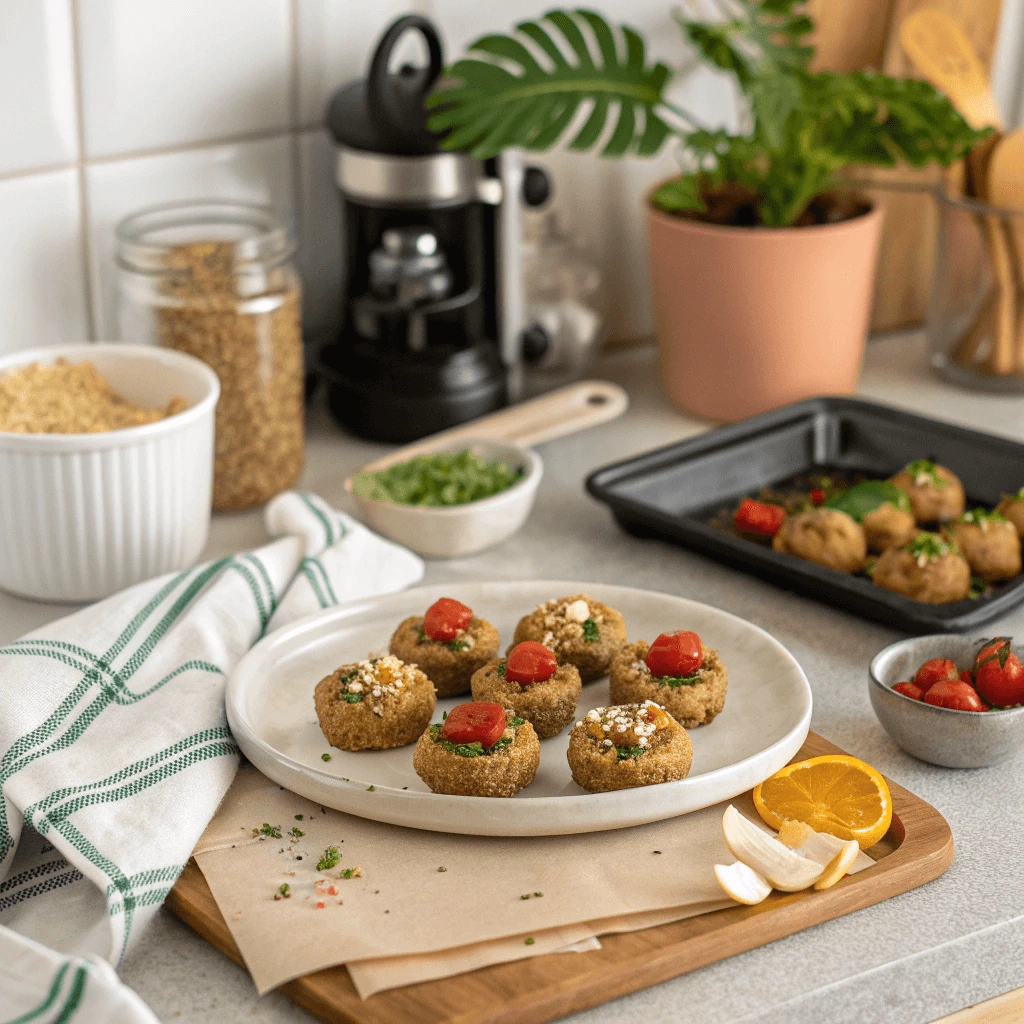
(84, 515)
(455, 531)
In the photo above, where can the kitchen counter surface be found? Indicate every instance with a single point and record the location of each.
(909, 960)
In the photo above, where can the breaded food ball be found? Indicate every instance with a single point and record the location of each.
(928, 569)
(626, 746)
(374, 704)
(691, 700)
(546, 697)
(579, 630)
(826, 536)
(989, 542)
(888, 527)
(448, 761)
(936, 494)
(1012, 508)
(449, 644)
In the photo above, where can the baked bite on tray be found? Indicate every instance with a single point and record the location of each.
(825, 536)
(677, 672)
(628, 745)
(936, 494)
(449, 643)
(1012, 508)
(532, 683)
(989, 542)
(579, 630)
(929, 569)
(480, 749)
(374, 704)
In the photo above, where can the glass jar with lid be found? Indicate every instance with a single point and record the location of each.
(216, 280)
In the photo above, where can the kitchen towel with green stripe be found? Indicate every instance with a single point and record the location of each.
(114, 748)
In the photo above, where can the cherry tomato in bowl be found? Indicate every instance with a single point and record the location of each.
(998, 674)
(445, 617)
(934, 671)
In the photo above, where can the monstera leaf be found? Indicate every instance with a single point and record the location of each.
(526, 89)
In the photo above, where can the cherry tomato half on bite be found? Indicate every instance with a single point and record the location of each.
(954, 694)
(934, 671)
(759, 517)
(998, 674)
(911, 690)
(445, 617)
(477, 722)
(675, 654)
(530, 662)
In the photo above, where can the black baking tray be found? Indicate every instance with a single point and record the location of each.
(675, 492)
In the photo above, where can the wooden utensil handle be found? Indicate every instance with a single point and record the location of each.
(564, 411)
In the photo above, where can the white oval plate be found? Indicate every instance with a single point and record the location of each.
(270, 710)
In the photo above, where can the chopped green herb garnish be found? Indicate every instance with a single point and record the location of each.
(442, 869)
(458, 645)
(350, 698)
(370, 789)
(299, 817)
(530, 895)
(516, 721)
(590, 631)
(978, 587)
(529, 942)
(675, 681)
(538, 894)
(861, 499)
(869, 566)
(296, 833)
(501, 668)
(930, 545)
(926, 468)
(525, 896)
(629, 753)
(285, 890)
(329, 860)
(325, 757)
(981, 516)
(475, 749)
(274, 831)
(444, 478)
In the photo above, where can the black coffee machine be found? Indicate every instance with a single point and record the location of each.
(432, 295)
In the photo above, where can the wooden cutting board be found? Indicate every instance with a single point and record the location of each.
(917, 849)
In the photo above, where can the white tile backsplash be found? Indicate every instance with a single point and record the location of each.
(42, 284)
(182, 71)
(196, 99)
(37, 85)
(254, 172)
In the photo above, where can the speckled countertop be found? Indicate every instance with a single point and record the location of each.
(908, 960)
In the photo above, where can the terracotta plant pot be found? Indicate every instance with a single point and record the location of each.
(753, 318)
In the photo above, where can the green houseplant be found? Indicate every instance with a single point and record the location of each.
(761, 266)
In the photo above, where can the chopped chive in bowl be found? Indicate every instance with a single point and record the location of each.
(439, 480)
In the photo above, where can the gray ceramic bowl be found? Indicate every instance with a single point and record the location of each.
(953, 739)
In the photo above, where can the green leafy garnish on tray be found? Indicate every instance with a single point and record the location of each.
(863, 498)
(930, 545)
(329, 860)
(981, 516)
(266, 829)
(591, 632)
(443, 479)
(925, 471)
(675, 681)
(629, 753)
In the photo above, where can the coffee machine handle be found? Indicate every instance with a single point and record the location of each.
(385, 100)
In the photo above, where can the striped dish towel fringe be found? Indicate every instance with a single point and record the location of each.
(115, 752)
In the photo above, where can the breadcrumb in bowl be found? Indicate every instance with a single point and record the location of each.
(501, 773)
(607, 749)
(549, 706)
(580, 630)
(690, 705)
(449, 665)
(374, 705)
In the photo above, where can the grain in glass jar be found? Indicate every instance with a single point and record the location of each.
(216, 280)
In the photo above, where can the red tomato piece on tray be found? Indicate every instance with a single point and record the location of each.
(911, 690)
(445, 617)
(675, 654)
(817, 496)
(759, 517)
(530, 662)
(477, 722)
(934, 671)
(998, 674)
(955, 695)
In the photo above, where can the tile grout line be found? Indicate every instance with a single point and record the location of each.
(41, 169)
(83, 193)
(259, 135)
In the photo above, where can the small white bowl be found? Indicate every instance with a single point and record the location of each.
(85, 515)
(457, 530)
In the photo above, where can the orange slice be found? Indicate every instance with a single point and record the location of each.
(838, 794)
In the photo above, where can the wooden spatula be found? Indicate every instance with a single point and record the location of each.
(1006, 190)
(945, 56)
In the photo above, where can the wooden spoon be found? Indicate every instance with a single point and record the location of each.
(942, 52)
(1006, 190)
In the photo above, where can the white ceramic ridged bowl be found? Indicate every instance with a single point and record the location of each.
(85, 515)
